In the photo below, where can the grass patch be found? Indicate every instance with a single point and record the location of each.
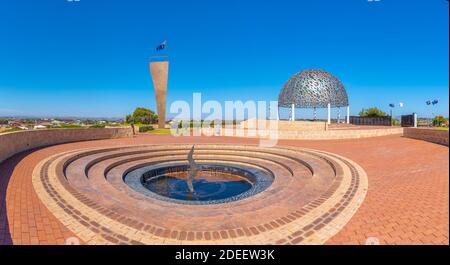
(97, 126)
(66, 126)
(10, 130)
(441, 128)
(160, 131)
(117, 125)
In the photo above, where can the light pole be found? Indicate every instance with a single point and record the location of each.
(433, 111)
(392, 105)
(432, 103)
(428, 102)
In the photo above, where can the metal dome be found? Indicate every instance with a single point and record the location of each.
(313, 89)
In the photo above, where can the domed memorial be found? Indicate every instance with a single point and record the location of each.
(313, 89)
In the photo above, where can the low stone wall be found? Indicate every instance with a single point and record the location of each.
(429, 135)
(16, 142)
(286, 125)
(340, 134)
(309, 135)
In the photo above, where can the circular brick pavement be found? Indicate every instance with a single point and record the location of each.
(421, 179)
(313, 195)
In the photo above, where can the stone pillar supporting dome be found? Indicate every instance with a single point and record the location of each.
(313, 89)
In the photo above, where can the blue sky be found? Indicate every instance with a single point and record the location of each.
(90, 58)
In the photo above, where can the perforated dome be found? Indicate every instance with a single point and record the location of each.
(313, 88)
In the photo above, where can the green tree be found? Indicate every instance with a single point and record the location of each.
(128, 119)
(372, 112)
(143, 116)
(439, 120)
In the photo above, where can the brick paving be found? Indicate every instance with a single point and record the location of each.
(308, 204)
(407, 200)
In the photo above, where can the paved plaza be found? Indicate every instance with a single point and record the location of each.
(390, 188)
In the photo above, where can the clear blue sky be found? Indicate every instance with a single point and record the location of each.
(90, 58)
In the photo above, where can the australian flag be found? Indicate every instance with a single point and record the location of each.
(428, 102)
(434, 102)
(391, 105)
(161, 46)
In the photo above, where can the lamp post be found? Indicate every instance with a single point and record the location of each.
(433, 111)
(392, 105)
(432, 103)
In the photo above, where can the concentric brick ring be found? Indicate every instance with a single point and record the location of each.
(256, 179)
(313, 195)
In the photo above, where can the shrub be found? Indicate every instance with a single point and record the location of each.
(372, 112)
(97, 126)
(396, 122)
(439, 120)
(144, 129)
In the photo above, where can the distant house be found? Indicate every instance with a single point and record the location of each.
(40, 126)
(57, 123)
(15, 124)
(46, 123)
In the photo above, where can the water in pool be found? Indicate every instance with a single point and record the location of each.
(207, 186)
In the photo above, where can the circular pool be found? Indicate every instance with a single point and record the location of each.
(242, 193)
(213, 182)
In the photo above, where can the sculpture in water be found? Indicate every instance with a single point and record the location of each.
(193, 169)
